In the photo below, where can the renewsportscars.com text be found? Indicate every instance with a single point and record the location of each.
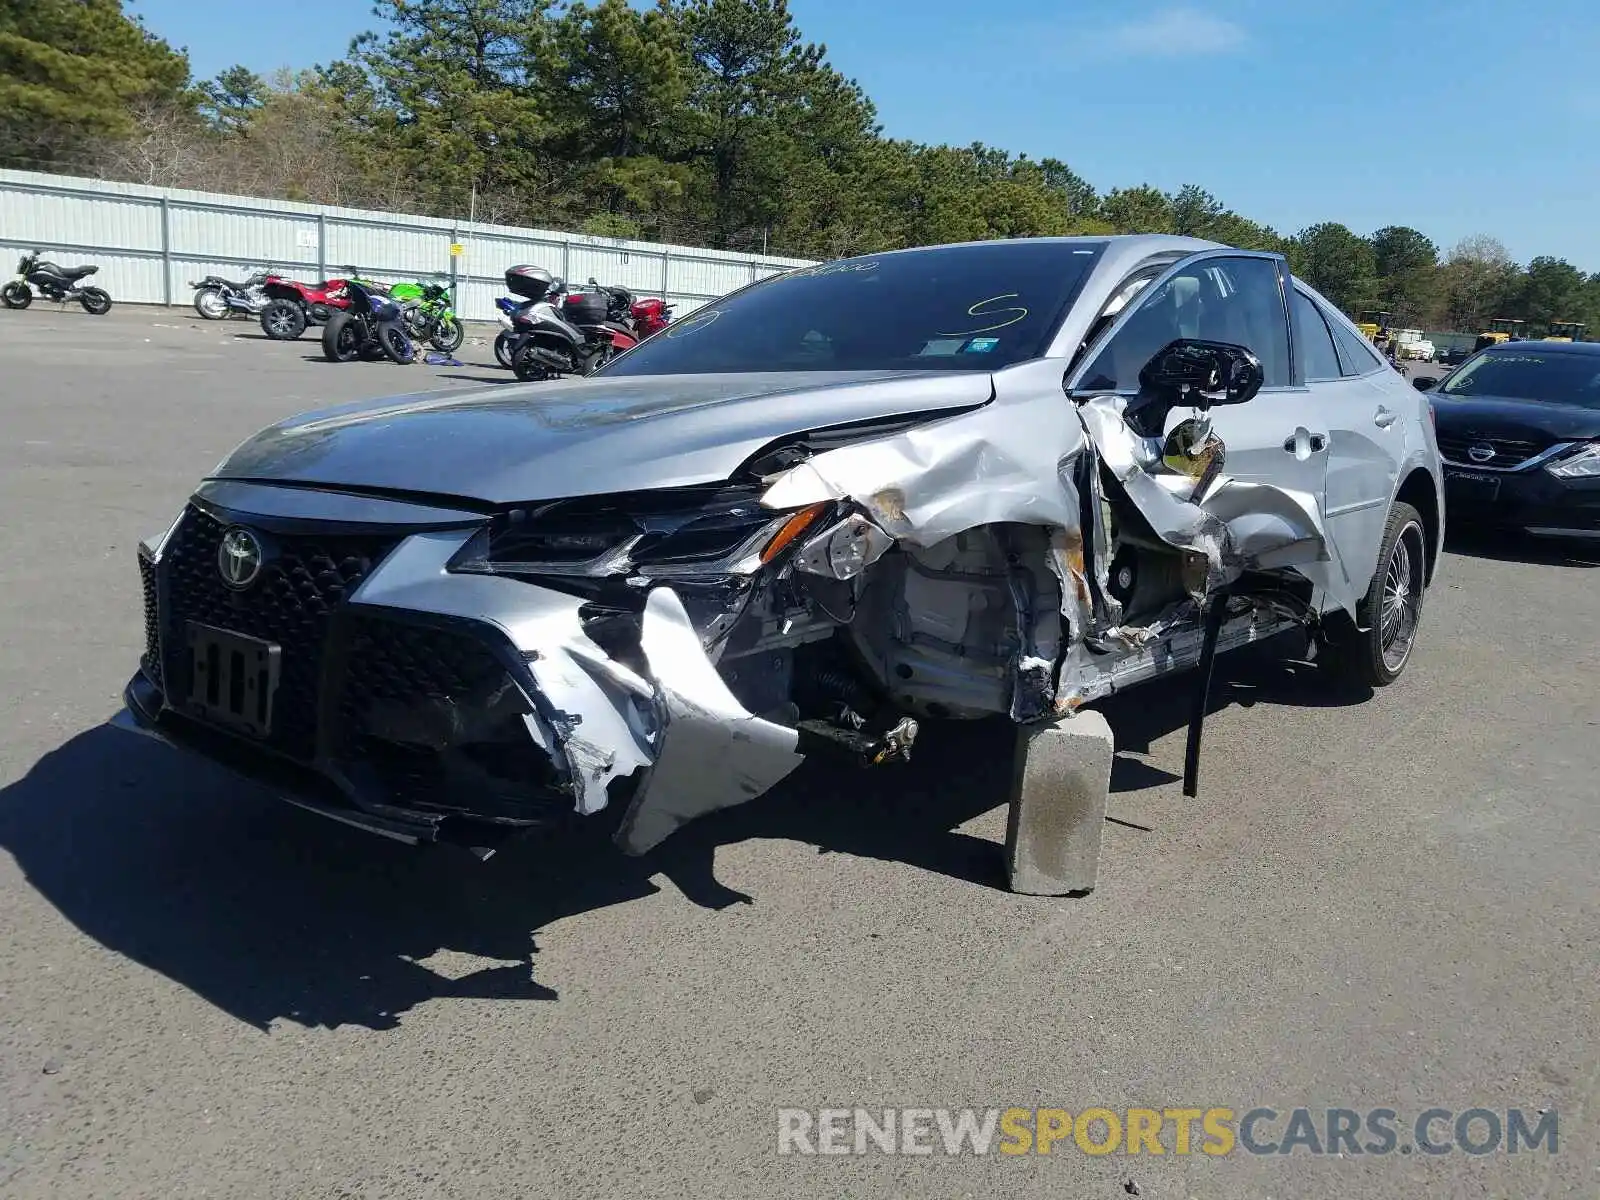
(1178, 1131)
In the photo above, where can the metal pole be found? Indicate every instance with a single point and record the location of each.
(166, 253)
(322, 247)
(666, 273)
(455, 299)
(566, 259)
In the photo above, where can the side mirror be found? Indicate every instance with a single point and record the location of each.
(1200, 374)
(1424, 383)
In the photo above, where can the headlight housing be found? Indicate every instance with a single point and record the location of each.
(1585, 464)
(673, 534)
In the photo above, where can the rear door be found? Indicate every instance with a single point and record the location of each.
(1364, 419)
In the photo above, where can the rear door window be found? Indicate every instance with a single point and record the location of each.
(1313, 341)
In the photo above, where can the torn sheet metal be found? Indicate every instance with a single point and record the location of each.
(712, 754)
(587, 714)
(939, 479)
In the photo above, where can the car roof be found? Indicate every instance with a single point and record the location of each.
(1555, 347)
(1122, 244)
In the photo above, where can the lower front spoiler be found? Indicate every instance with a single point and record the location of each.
(300, 785)
(706, 753)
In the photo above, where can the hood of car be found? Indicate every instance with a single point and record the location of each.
(1537, 420)
(510, 443)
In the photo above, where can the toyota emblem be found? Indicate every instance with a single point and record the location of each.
(239, 557)
(1480, 452)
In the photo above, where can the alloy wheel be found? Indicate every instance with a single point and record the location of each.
(1403, 583)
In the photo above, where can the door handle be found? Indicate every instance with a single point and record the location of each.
(1383, 418)
(1313, 443)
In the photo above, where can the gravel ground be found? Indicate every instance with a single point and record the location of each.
(1376, 901)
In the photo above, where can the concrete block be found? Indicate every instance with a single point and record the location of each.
(1059, 785)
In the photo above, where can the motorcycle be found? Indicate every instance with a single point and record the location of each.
(510, 307)
(370, 326)
(291, 305)
(217, 299)
(54, 283)
(429, 316)
(575, 340)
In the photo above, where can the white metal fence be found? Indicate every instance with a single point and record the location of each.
(150, 242)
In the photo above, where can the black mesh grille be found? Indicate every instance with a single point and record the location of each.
(151, 660)
(392, 660)
(1508, 452)
(305, 579)
(431, 717)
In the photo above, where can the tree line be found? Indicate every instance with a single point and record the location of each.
(711, 122)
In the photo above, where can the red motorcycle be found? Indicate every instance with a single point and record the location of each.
(292, 305)
(650, 316)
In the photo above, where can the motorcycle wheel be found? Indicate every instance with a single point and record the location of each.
(502, 348)
(448, 335)
(528, 368)
(96, 302)
(16, 294)
(283, 320)
(341, 339)
(396, 344)
(209, 303)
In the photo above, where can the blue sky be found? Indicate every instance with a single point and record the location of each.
(1458, 118)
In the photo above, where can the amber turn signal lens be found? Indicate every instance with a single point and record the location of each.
(793, 528)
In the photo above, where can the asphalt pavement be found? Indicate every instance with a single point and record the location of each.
(1376, 901)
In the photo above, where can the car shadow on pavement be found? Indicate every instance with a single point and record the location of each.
(273, 914)
(1523, 548)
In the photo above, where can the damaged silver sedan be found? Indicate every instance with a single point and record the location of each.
(944, 483)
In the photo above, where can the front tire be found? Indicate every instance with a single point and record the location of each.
(16, 294)
(341, 339)
(448, 335)
(208, 302)
(1391, 609)
(283, 320)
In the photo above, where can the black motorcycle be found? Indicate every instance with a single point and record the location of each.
(547, 342)
(373, 327)
(217, 299)
(54, 283)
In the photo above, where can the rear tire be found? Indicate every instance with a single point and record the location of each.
(16, 294)
(96, 302)
(208, 302)
(341, 339)
(502, 348)
(1391, 609)
(528, 368)
(283, 320)
(396, 345)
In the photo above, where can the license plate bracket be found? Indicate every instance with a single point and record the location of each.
(233, 679)
(1475, 487)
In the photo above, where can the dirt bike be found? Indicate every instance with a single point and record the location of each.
(54, 283)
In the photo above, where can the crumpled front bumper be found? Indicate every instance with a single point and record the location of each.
(674, 732)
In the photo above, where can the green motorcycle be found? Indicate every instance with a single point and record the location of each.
(429, 316)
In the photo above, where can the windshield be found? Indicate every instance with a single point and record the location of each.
(973, 307)
(1556, 377)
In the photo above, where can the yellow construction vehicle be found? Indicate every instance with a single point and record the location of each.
(1372, 321)
(1565, 331)
(1501, 329)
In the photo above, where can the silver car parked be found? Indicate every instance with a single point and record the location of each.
(991, 478)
